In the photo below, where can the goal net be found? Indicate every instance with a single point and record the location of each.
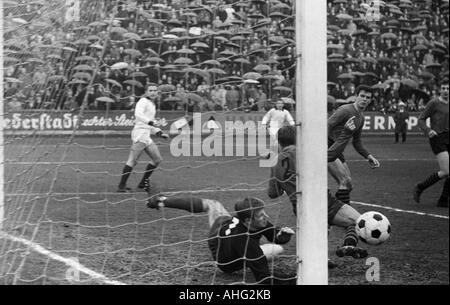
(72, 71)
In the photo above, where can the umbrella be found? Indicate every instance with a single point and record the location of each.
(195, 97)
(283, 89)
(82, 75)
(346, 76)
(56, 78)
(82, 68)
(380, 86)
(119, 66)
(132, 36)
(435, 65)
(388, 36)
(133, 52)
(138, 74)
(370, 60)
(96, 46)
(97, 23)
(211, 62)
(167, 88)
(82, 41)
(288, 100)
(172, 99)
(77, 82)
(183, 61)
(426, 75)
(410, 83)
(178, 30)
(371, 74)
(252, 75)
(118, 30)
(336, 61)
(113, 82)
(36, 60)
(251, 81)
(105, 99)
(186, 51)
(199, 45)
(420, 47)
(84, 58)
(216, 71)
(278, 39)
(69, 49)
(93, 37)
(242, 61)
(54, 56)
(261, 68)
(335, 46)
(133, 82)
(344, 17)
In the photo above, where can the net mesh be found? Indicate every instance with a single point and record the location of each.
(72, 64)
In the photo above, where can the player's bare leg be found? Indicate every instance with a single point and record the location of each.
(341, 173)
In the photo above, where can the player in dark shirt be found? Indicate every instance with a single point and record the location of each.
(438, 133)
(346, 124)
(283, 179)
(235, 241)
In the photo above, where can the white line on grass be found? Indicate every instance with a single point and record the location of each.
(217, 191)
(69, 262)
(250, 159)
(399, 210)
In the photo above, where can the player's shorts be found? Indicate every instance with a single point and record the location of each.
(334, 206)
(141, 135)
(440, 143)
(340, 156)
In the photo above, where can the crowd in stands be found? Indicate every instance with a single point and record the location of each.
(214, 55)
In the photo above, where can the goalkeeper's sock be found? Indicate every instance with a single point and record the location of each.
(434, 178)
(351, 239)
(125, 175)
(193, 205)
(148, 172)
(343, 195)
(443, 200)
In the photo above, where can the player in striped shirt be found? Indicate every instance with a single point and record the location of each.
(346, 124)
(234, 241)
(144, 114)
(437, 111)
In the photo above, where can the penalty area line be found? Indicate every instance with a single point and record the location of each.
(400, 210)
(67, 261)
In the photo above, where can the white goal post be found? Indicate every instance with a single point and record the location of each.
(312, 239)
(2, 143)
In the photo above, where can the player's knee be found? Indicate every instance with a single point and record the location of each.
(157, 162)
(131, 163)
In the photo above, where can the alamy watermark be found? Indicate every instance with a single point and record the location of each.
(234, 139)
(373, 273)
(373, 13)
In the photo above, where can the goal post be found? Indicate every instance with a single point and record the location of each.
(2, 144)
(311, 96)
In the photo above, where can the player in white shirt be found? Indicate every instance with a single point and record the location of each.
(144, 114)
(275, 119)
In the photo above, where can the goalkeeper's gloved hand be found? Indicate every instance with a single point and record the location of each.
(162, 135)
(151, 123)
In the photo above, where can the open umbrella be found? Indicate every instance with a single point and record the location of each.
(410, 83)
(77, 81)
(426, 75)
(200, 45)
(251, 81)
(389, 36)
(131, 36)
(186, 51)
(195, 98)
(119, 66)
(262, 68)
(183, 61)
(84, 58)
(217, 71)
(211, 62)
(346, 76)
(82, 75)
(283, 89)
(83, 68)
(105, 99)
(119, 30)
(167, 88)
(133, 52)
(56, 78)
(242, 61)
(138, 74)
(252, 75)
(113, 82)
(133, 82)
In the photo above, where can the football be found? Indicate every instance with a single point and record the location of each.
(373, 228)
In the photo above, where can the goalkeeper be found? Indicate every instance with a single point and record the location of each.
(234, 241)
(144, 114)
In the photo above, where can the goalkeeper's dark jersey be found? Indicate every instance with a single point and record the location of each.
(339, 136)
(233, 247)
